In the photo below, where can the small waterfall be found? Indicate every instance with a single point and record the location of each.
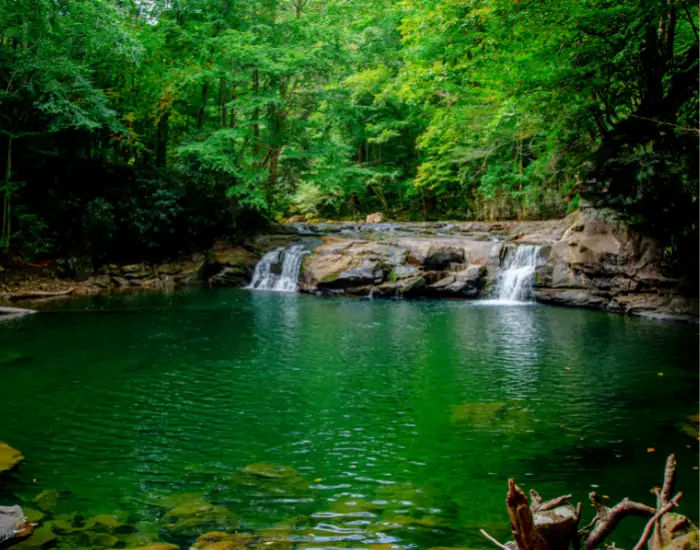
(279, 269)
(516, 280)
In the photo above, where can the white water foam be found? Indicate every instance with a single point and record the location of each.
(279, 269)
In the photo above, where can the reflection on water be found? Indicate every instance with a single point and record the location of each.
(395, 416)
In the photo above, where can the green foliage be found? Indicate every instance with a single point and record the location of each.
(421, 109)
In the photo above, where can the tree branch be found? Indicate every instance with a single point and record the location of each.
(660, 512)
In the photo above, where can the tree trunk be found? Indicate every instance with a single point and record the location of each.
(162, 140)
(6, 205)
(200, 118)
(256, 114)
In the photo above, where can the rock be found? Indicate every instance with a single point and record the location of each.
(42, 538)
(103, 281)
(231, 277)
(9, 457)
(376, 217)
(193, 514)
(439, 257)
(270, 471)
(79, 268)
(499, 416)
(13, 523)
(46, 500)
(234, 256)
(32, 515)
(674, 532)
(223, 541)
(107, 523)
(169, 268)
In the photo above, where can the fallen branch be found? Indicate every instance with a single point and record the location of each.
(607, 519)
(36, 294)
(538, 506)
(660, 512)
(493, 540)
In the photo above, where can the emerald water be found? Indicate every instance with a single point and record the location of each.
(402, 420)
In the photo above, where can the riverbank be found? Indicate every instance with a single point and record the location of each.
(590, 259)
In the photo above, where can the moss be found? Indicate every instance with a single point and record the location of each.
(9, 457)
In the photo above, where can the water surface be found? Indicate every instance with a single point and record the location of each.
(403, 419)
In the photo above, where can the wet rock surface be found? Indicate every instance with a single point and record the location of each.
(590, 259)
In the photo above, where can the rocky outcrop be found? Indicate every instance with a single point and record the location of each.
(590, 259)
(600, 263)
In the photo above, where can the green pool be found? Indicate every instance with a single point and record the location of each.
(335, 422)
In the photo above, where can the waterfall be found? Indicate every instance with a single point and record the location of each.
(516, 280)
(279, 269)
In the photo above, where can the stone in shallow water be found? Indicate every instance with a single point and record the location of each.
(217, 540)
(46, 500)
(9, 457)
(156, 546)
(195, 515)
(504, 416)
(43, 537)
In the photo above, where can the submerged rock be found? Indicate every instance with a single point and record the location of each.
(42, 537)
(47, 499)
(192, 515)
(270, 471)
(9, 457)
(493, 416)
(217, 540)
(156, 546)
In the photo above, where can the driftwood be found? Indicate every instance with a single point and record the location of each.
(521, 521)
(38, 294)
(14, 311)
(552, 524)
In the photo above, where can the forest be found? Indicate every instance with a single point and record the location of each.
(134, 129)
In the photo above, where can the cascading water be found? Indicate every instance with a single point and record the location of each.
(279, 269)
(516, 280)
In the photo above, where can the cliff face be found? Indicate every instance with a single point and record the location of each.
(589, 259)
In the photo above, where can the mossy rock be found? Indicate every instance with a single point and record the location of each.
(9, 457)
(173, 501)
(33, 515)
(270, 471)
(272, 478)
(42, 537)
(217, 540)
(108, 523)
(46, 500)
(154, 546)
(192, 517)
(498, 416)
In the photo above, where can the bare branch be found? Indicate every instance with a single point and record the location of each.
(493, 540)
(664, 496)
(607, 519)
(647, 530)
